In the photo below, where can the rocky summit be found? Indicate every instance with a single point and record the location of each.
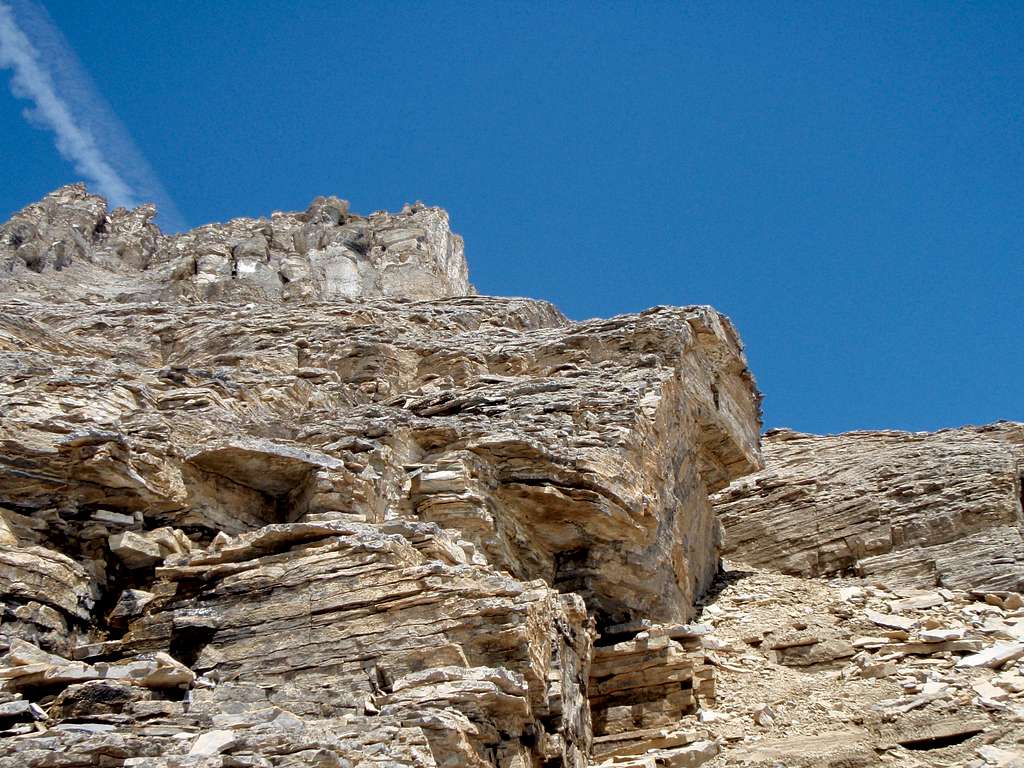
(287, 492)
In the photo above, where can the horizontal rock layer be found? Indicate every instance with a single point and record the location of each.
(577, 453)
(905, 509)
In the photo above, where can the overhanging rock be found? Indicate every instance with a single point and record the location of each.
(367, 512)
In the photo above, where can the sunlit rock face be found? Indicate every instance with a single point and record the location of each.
(286, 490)
(907, 509)
(69, 246)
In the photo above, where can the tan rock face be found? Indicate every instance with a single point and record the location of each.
(906, 509)
(282, 492)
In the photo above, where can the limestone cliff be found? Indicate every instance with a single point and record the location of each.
(285, 492)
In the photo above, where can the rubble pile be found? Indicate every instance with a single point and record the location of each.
(847, 672)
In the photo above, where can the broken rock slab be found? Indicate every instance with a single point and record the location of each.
(919, 732)
(26, 667)
(994, 656)
(850, 748)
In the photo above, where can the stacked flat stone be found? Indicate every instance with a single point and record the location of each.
(644, 680)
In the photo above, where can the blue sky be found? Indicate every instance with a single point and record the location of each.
(845, 180)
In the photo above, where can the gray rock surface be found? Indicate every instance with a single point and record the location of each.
(69, 246)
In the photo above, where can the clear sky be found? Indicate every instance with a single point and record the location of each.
(845, 180)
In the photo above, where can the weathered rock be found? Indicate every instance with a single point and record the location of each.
(921, 732)
(20, 709)
(46, 576)
(848, 748)
(130, 605)
(821, 651)
(27, 668)
(904, 509)
(891, 620)
(213, 743)
(284, 492)
(898, 701)
(1002, 758)
(995, 656)
(95, 698)
(689, 756)
(645, 677)
(68, 246)
(134, 550)
(549, 446)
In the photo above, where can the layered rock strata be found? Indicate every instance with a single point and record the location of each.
(333, 509)
(644, 681)
(904, 509)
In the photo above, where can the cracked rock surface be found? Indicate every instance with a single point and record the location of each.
(286, 492)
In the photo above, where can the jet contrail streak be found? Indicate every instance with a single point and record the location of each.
(46, 72)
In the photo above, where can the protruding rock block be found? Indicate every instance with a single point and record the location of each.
(134, 550)
(284, 491)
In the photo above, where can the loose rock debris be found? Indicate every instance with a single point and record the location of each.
(884, 677)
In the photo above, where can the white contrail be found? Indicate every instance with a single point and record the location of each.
(46, 72)
(31, 81)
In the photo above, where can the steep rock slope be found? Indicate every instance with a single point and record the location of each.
(905, 509)
(284, 492)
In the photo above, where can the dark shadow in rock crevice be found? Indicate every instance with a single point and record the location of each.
(724, 580)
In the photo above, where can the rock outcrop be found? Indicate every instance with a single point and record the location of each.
(903, 509)
(284, 492)
(325, 253)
